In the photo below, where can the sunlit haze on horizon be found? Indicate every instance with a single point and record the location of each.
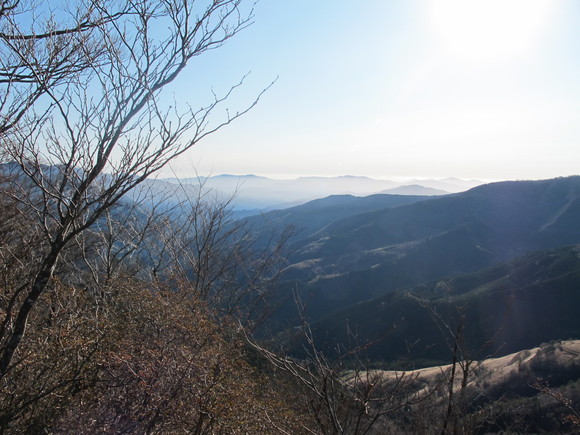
(403, 88)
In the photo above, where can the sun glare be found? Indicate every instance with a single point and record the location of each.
(477, 30)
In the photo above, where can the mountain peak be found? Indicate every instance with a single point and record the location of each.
(237, 176)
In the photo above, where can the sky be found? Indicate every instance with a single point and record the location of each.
(397, 88)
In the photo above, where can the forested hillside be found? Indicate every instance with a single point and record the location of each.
(504, 309)
(369, 254)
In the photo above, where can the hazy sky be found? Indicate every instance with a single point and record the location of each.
(393, 88)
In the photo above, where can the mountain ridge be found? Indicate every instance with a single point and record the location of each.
(368, 254)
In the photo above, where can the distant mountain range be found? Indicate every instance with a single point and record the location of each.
(255, 193)
(381, 268)
(357, 254)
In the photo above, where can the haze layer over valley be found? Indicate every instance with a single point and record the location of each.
(252, 193)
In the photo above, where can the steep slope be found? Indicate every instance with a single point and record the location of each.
(506, 308)
(515, 209)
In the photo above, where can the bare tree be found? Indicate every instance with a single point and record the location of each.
(572, 416)
(140, 329)
(82, 119)
(465, 361)
(187, 237)
(215, 255)
(343, 396)
(35, 58)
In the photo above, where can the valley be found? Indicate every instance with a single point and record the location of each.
(371, 246)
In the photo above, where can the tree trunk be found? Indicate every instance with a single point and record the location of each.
(40, 282)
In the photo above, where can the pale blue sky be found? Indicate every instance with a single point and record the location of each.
(394, 88)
